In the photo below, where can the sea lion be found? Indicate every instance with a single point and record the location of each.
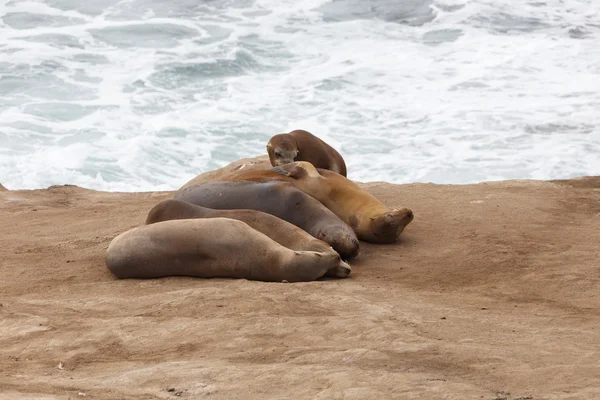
(253, 163)
(211, 248)
(372, 220)
(283, 232)
(300, 145)
(282, 200)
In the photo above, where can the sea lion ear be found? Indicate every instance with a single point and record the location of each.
(293, 170)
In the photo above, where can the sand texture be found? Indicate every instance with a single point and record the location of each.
(493, 292)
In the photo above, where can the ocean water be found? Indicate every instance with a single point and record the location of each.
(145, 94)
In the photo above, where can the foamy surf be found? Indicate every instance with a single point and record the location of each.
(144, 95)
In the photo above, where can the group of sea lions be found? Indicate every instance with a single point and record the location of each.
(296, 221)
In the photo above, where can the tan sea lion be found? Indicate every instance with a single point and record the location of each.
(211, 248)
(300, 145)
(372, 220)
(282, 200)
(283, 232)
(253, 163)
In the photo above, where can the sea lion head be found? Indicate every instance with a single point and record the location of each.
(344, 241)
(388, 226)
(342, 268)
(283, 149)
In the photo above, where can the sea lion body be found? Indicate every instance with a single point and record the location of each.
(246, 164)
(372, 220)
(300, 145)
(283, 232)
(282, 200)
(211, 248)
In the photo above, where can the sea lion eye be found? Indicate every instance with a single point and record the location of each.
(277, 154)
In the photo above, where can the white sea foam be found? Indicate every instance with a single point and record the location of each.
(143, 95)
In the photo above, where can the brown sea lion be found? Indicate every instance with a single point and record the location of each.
(282, 200)
(211, 248)
(283, 232)
(246, 164)
(372, 220)
(300, 145)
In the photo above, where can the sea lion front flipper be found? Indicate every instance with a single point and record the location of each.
(292, 170)
(297, 170)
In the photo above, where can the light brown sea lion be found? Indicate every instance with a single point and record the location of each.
(253, 163)
(300, 145)
(282, 200)
(211, 248)
(283, 232)
(372, 220)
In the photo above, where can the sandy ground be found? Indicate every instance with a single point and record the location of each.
(492, 293)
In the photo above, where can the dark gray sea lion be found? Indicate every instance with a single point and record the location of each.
(282, 200)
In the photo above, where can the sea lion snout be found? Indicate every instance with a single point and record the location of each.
(343, 270)
(282, 150)
(350, 245)
(388, 226)
(397, 215)
(346, 245)
(283, 157)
